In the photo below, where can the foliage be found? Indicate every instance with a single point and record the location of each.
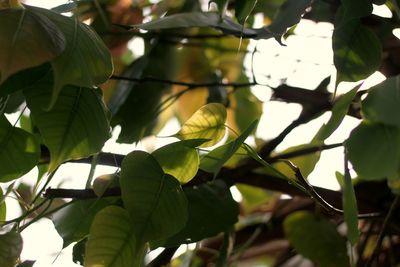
(67, 82)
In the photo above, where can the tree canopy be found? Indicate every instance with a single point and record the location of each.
(68, 77)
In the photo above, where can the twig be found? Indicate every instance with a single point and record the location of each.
(79, 193)
(187, 84)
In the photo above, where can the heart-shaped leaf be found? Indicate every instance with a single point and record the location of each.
(212, 210)
(206, 123)
(383, 102)
(28, 39)
(357, 51)
(85, 62)
(19, 151)
(155, 201)
(213, 161)
(180, 159)
(316, 239)
(373, 150)
(111, 241)
(76, 127)
(10, 248)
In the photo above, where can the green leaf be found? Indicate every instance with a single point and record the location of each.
(316, 239)
(383, 102)
(212, 210)
(3, 207)
(357, 51)
(111, 242)
(23, 79)
(180, 159)
(349, 207)
(78, 252)
(28, 39)
(206, 123)
(73, 222)
(243, 10)
(354, 9)
(86, 61)
(10, 248)
(213, 161)
(288, 15)
(267, 167)
(155, 201)
(76, 127)
(339, 111)
(248, 107)
(305, 163)
(198, 19)
(373, 150)
(103, 182)
(19, 151)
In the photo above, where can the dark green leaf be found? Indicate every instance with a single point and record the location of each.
(10, 248)
(288, 15)
(383, 102)
(76, 127)
(24, 79)
(357, 51)
(73, 222)
(180, 159)
(19, 151)
(354, 9)
(26, 264)
(78, 252)
(316, 239)
(211, 210)
(155, 201)
(28, 39)
(373, 150)
(213, 161)
(349, 207)
(85, 61)
(243, 9)
(111, 242)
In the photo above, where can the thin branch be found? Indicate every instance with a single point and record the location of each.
(187, 84)
(79, 193)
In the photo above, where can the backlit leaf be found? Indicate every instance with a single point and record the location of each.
(111, 241)
(155, 201)
(3, 207)
(76, 127)
(206, 123)
(373, 150)
(213, 161)
(316, 239)
(86, 61)
(349, 207)
(339, 111)
(73, 222)
(212, 210)
(383, 102)
(10, 248)
(28, 39)
(180, 159)
(19, 151)
(357, 51)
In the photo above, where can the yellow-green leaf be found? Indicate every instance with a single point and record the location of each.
(111, 240)
(180, 159)
(206, 123)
